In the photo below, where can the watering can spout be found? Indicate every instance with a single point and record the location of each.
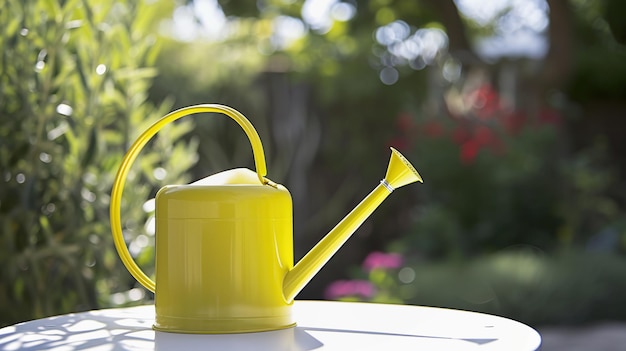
(400, 172)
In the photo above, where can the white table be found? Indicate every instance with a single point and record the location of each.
(322, 325)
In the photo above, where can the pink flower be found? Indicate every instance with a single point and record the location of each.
(382, 260)
(344, 288)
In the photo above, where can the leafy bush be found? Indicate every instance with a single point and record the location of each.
(509, 220)
(569, 287)
(73, 83)
(496, 177)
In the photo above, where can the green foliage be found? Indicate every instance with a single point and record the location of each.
(482, 204)
(496, 178)
(600, 72)
(490, 181)
(563, 288)
(522, 283)
(73, 86)
(611, 13)
(76, 76)
(512, 222)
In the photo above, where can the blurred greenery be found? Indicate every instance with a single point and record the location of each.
(517, 151)
(74, 79)
(506, 181)
(565, 287)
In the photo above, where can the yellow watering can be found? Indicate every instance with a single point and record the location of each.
(224, 246)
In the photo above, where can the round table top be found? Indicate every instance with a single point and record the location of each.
(322, 325)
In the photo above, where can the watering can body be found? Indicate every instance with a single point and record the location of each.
(222, 254)
(224, 245)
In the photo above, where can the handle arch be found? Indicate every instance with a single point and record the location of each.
(133, 152)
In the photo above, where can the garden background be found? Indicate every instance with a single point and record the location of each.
(512, 111)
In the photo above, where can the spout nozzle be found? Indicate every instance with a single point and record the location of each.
(400, 171)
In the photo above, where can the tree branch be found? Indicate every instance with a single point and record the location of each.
(458, 43)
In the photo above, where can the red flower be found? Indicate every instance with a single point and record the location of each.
(469, 151)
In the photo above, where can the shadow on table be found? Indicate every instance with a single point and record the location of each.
(469, 340)
(122, 330)
(105, 329)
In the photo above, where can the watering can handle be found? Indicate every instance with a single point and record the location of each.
(133, 152)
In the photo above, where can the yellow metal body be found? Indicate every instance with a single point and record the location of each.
(224, 252)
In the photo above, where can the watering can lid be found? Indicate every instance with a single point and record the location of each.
(237, 176)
